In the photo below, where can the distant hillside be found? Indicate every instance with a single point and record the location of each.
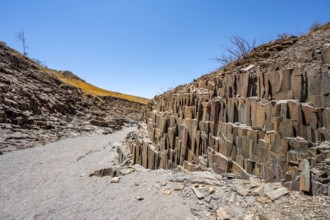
(70, 78)
(39, 105)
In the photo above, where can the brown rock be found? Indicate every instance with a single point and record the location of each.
(242, 191)
(139, 198)
(103, 172)
(326, 55)
(254, 182)
(198, 193)
(263, 200)
(115, 180)
(178, 187)
(260, 190)
(305, 178)
(167, 192)
(211, 190)
(222, 214)
(275, 194)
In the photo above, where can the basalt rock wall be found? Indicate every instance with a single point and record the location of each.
(267, 115)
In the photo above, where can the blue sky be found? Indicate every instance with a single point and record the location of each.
(143, 47)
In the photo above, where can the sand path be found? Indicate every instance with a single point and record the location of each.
(52, 182)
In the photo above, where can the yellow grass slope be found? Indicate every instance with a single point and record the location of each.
(73, 80)
(91, 89)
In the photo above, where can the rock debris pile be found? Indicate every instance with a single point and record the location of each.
(266, 115)
(209, 195)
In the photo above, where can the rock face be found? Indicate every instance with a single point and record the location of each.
(37, 108)
(262, 115)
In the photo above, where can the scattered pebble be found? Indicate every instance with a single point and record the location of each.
(222, 214)
(167, 192)
(211, 190)
(115, 180)
(139, 198)
(178, 186)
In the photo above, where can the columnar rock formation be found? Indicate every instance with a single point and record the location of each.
(267, 115)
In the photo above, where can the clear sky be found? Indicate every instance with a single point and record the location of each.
(143, 47)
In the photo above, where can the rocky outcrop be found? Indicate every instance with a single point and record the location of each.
(267, 115)
(36, 107)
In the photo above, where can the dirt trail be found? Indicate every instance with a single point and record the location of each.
(52, 182)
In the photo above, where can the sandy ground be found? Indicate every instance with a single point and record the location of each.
(52, 182)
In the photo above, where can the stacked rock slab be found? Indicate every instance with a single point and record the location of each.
(266, 115)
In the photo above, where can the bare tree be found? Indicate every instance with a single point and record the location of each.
(315, 26)
(39, 62)
(21, 37)
(240, 47)
(283, 36)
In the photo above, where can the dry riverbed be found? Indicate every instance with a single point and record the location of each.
(53, 182)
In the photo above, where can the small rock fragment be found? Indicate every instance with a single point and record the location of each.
(125, 171)
(249, 217)
(211, 190)
(139, 198)
(198, 193)
(103, 172)
(267, 188)
(275, 194)
(222, 214)
(254, 182)
(242, 191)
(178, 187)
(260, 190)
(232, 198)
(304, 183)
(249, 67)
(167, 192)
(115, 180)
(194, 211)
(263, 200)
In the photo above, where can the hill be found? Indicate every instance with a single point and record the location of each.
(71, 79)
(265, 115)
(39, 105)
